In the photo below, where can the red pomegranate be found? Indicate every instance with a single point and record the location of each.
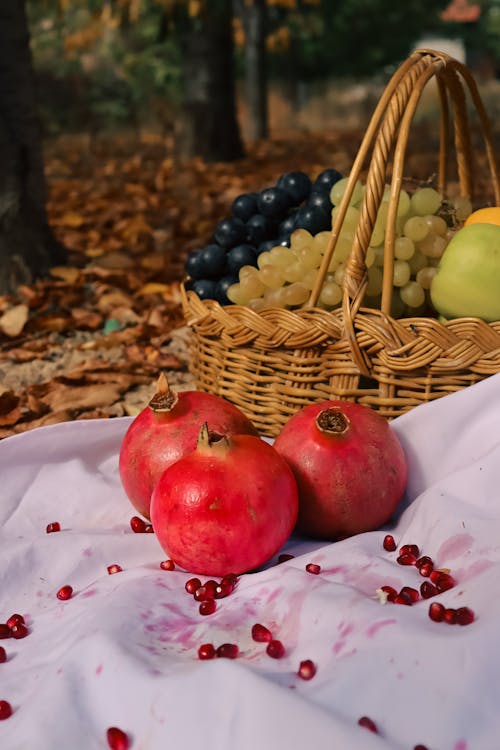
(349, 466)
(227, 507)
(166, 430)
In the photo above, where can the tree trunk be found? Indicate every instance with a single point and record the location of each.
(254, 19)
(210, 126)
(27, 247)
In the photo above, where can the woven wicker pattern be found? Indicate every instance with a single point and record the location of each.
(273, 362)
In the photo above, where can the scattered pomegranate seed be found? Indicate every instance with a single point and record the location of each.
(390, 591)
(407, 558)
(412, 593)
(4, 630)
(409, 549)
(114, 569)
(65, 593)
(137, 525)
(368, 723)
(424, 560)
(117, 739)
(211, 588)
(15, 620)
(3, 655)
(51, 527)
(19, 630)
(425, 570)
(403, 598)
(206, 651)
(192, 585)
(444, 582)
(223, 589)
(230, 578)
(389, 544)
(275, 649)
(427, 590)
(284, 558)
(149, 529)
(464, 616)
(313, 568)
(450, 616)
(202, 594)
(5, 710)
(208, 607)
(436, 611)
(420, 747)
(261, 634)
(307, 669)
(167, 565)
(228, 651)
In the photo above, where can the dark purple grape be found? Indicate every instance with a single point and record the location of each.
(321, 199)
(326, 179)
(274, 202)
(313, 219)
(230, 232)
(221, 288)
(267, 245)
(204, 288)
(194, 265)
(288, 225)
(259, 228)
(297, 184)
(245, 206)
(241, 255)
(213, 261)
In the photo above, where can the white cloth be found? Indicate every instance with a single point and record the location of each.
(123, 650)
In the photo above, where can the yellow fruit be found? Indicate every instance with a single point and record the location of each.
(489, 215)
(467, 281)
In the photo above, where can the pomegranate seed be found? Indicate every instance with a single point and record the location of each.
(4, 630)
(275, 649)
(390, 591)
(137, 525)
(206, 651)
(167, 565)
(424, 560)
(261, 634)
(230, 578)
(19, 630)
(148, 529)
(408, 558)
(389, 544)
(211, 587)
(436, 611)
(464, 616)
(192, 585)
(208, 607)
(403, 598)
(15, 620)
(444, 582)
(368, 723)
(412, 593)
(409, 549)
(425, 570)
(427, 590)
(450, 616)
(228, 651)
(223, 589)
(51, 527)
(117, 739)
(5, 710)
(284, 558)
(202, 594)
(3, 655)
(313, 568)
(114, 569)
(307, 669)
(420, 747)
(65, 593)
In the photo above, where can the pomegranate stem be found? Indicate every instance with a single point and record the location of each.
(165, 398)
(332, 421)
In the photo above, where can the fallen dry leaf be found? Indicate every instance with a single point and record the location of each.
(66, 273)
(13, 320)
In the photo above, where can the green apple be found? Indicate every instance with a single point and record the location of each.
(467, 282)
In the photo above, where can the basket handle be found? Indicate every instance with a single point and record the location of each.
(391, 123)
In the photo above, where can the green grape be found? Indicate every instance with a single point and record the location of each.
(294, 272)
(246, 271)
(351, 218)
(437, 224)
(378, 234)
(296, 294)
(257, 304)
(404, 248)
(425, 275)
(236, 295)
(425, 201)
(343, 247)
(379, 256)
(274, 297)
(309, 278)
(403, 202)
(433, 246)
(370, 256)
(300, 238)
(271, 276)
(416, 228)
(374, 285)
(308, 257)
(321, 240)
(412, 294)
(401, 274)
(280, 256)
(338, 191)
(339, 275)
(252, 285)
(463, 207)
(417, 261)
(331, 294)
(264, 259)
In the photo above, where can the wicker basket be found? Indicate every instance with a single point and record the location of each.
(273, 362)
